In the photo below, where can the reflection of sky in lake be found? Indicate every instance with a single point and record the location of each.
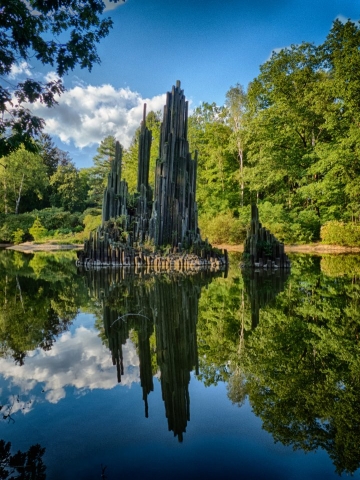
(84, 419)
(77, 359)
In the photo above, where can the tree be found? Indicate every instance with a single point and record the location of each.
(236, 104)
(52, 156)
(98, 174)
(209, 135)
(130, 157)
(69, 190)
(21, 465)
(22, 174)
(302, 135)
(59, 33)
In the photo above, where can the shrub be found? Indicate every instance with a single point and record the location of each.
(91, 223)
(18, 236)
(11, 223)
(37, 231)
(298, 227)
(340, 233)
(224, 228)
(56, 218)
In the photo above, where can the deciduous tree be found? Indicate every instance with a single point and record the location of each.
(58, 33)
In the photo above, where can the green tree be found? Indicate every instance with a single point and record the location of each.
(209, 135)
(23, 181)
(236, 103)
(61, 33)
(302, 134)
(39, 296)
(69, 189)
(218, 189)
(98, 174)
(131, 155)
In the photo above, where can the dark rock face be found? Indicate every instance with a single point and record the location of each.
(261, 248)
(135, 227)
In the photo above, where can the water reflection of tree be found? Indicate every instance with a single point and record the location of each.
(40, 295)
(159, 313)
(21, 465)
(300, 365)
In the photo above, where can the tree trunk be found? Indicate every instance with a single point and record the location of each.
(17, 202)
(5, 197)
(241, 159)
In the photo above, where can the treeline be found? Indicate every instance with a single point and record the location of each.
(289, 143)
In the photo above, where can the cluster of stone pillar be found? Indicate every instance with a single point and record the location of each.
(261, 248)
(135, 227)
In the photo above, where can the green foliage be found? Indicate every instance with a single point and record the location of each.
(40, 295)
(91, 222)
(301, 134)
(62, 34)
(11, 223)
(223, 228)
(131, 155)
(57, 218)
(98, 174)
(18, 236)
(37, 231)
(340, 233)
(217, 179)
(69, 190)
(23, 181)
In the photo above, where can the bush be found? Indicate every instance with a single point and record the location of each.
(37, 231)
(91, 222)
(11, 223)
(298, 227)
(340, 233)
(18, 236)
(56, 218)
(224, 228)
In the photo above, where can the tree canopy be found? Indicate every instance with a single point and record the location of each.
(58, 33)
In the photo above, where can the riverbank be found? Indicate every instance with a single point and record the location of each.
(30, 247)
(309, 248)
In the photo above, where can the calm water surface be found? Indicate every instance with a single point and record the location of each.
(169, 376)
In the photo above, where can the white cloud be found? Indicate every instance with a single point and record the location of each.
(17, 69)
(76, 360)
(111, 5)
(344, 19)
(51, 77)
(87, 114)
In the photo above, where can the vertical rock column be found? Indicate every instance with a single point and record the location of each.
(174, 215)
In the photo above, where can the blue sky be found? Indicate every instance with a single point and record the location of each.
(208, 45)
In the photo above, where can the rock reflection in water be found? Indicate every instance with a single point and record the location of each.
(262, 287)
(164, 304)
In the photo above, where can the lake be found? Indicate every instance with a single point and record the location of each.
(116, 374)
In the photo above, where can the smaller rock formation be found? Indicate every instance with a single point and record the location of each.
(261, 248)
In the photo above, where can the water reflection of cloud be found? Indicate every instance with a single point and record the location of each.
(77, 360)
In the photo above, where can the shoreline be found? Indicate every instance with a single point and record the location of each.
(307, 248)
(29, 247)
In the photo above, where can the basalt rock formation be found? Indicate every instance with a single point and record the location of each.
(261, 248)
(160, 228)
